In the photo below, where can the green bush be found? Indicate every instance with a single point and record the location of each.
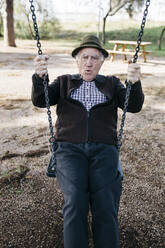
(22, 30)
(47, 29)
(150, 34)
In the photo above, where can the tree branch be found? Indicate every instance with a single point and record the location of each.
(118, 7)
(112, 10)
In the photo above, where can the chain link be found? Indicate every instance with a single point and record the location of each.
(139, 39)
(129, 84)
(120, 133)
(52, 139)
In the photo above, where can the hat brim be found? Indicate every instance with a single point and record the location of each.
(76, 50)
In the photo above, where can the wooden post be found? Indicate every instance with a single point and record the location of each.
(123, 50)
(144, 53)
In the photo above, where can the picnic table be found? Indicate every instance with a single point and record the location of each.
(121, 48)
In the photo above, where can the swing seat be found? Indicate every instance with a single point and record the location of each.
(51, 169)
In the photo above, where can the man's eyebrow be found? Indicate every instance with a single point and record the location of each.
(85, 54)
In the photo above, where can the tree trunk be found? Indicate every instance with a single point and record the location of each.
(9, 36)
(1, 26)
(103, 33)
(111, 12)
(160, 39)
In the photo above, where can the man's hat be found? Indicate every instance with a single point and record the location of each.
(90, 41)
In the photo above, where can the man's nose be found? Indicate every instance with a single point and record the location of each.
(89, 61)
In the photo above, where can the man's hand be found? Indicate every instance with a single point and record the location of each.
(133, 74)
(41, 62)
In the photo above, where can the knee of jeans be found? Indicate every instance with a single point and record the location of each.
(76, 202)
(107, 198)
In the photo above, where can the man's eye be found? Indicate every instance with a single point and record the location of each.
(95, 58)
(85, 57)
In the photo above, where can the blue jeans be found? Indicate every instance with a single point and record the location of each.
(88, 175)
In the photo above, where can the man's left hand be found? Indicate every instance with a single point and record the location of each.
(133, 74)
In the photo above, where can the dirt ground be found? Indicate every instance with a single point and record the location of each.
(31, 203)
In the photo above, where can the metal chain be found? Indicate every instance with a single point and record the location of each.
(120, 133)
(52, 139)
(37, 37)
(129, 84)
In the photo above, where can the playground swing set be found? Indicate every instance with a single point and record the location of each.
(51, 168)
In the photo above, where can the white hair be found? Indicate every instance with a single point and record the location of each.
(102, 56)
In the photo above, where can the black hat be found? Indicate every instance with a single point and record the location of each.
(90, 41)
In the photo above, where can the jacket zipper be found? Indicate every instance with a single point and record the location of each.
(87, 124)
(88, 114)
(87, 118)
(87, 128)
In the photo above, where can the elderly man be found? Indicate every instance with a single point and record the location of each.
(86, 131)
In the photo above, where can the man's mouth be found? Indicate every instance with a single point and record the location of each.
(88, 71)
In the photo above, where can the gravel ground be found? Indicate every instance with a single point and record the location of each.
(31, 206)
(31, 203)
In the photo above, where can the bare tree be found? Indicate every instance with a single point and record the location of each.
(1, 25)
(114, 7)
(8, 24)
(132, 6)
(1, 18)
(20, 8)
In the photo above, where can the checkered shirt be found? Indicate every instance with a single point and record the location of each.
(88, 94)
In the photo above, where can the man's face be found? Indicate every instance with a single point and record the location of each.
(89, 62)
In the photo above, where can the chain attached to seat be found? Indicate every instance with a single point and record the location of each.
(129, 84)
(51, 169)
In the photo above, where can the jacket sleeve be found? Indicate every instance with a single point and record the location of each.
(38, 94)
(136, 98)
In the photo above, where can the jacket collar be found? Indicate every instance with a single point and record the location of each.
(98, 78)
(76, 77)
(100, 81)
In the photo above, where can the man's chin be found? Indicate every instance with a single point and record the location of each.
(88, 78)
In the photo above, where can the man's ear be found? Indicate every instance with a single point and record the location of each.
(77, 62)
(102, 62)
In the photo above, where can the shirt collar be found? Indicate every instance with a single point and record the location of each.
(100, 80)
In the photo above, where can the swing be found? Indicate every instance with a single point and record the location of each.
(51, 169)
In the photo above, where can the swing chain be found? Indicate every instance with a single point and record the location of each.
(45, 83)
(37, 37)
(139, 39)
(120, 133)
(129, 84)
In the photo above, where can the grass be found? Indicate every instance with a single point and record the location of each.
(115, 31)
(71, 33)
(150, 34)
(125, 30)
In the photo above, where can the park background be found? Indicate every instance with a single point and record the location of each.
(31, 203)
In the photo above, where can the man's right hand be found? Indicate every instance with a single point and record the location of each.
(41, 62)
